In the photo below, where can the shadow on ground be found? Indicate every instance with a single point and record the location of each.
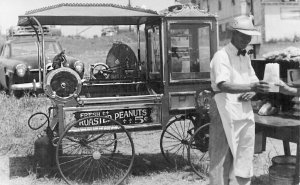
(144, 165)
(151, 163)
(260, 180)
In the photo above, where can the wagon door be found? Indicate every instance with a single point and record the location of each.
(190, 43)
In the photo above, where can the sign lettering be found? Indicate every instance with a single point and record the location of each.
(125, 117)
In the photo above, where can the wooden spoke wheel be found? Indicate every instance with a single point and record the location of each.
(198, 151)
(174, 139)
(91, 155)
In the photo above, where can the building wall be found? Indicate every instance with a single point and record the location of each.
(226, 10)
(229, 8)
(281, 20)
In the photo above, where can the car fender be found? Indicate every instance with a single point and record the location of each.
(4, 75)
(71, 61)
(7, 70)
(8, 79)
(2, 78)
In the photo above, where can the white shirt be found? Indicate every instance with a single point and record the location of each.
(237, 116)
(226, 62)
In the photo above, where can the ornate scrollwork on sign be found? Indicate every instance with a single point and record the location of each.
(90, 5)
(189, 10)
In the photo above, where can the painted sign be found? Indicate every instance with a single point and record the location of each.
(124, 116)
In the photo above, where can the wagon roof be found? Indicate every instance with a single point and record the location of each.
(89, 14)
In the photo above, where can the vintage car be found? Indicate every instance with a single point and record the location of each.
(19, 63)
(109, 31)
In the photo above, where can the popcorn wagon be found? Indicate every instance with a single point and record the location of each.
(91, 120)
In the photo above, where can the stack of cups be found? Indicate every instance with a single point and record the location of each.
(271, 76)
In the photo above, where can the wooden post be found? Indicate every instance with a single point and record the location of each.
(286, 148)
(129, 5)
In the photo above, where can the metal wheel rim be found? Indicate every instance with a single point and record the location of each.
(95, 70)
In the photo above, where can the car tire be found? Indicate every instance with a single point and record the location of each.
(18, 94)
(9, 92)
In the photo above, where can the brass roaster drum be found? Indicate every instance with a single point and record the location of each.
(63, 84)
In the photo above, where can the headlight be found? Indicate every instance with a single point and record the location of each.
(78, 66)
(49, 66)
(21, 70)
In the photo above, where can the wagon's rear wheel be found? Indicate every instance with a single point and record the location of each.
(198, 151)
(174, 139)
(90, 154)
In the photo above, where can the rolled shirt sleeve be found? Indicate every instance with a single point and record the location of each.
(220, 69)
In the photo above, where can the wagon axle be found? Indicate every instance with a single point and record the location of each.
(96, 155)
(184, 141)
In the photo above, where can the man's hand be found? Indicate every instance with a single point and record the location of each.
(247, 96)
(261, 87)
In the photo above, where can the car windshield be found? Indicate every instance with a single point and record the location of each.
(30, 48)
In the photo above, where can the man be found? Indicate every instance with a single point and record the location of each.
(232, 130)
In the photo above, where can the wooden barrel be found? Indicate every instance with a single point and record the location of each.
(282, 170)
(284, 160)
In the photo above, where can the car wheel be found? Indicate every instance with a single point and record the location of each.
(18, 94)
(9, 92)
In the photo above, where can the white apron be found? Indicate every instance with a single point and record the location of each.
(239, 126)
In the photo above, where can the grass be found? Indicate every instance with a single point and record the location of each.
(150, 168)
(95, 50)
(16, 138)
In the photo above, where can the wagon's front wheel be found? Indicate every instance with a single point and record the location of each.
(174, 139)
(198, 151)
(91, 155)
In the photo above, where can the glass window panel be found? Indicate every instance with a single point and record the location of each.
(52, 48)
(190, 51)
(154, 52)
(30, 48)
(24, 48)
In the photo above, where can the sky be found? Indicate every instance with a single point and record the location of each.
(10, 9)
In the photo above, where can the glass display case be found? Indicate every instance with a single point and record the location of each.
(190, 51)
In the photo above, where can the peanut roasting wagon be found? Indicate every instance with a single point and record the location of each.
(159, 84)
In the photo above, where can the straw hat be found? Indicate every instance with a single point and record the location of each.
(244, 25)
